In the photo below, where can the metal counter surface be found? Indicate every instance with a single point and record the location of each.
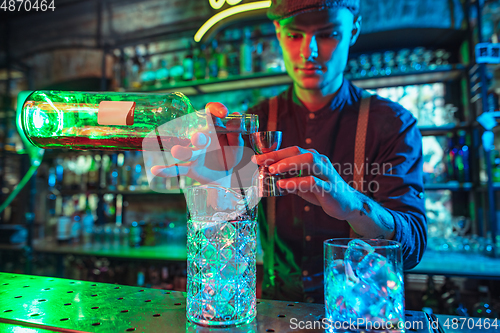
(45, 304)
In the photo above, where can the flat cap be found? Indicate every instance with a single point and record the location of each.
(281, 9)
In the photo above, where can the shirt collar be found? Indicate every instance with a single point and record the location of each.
(342, 97)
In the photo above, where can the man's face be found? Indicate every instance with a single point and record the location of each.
(316, 46)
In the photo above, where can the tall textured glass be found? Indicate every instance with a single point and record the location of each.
(221, 246)
(364, 284)
(118, 121)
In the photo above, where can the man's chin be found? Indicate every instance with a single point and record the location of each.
(309, 83)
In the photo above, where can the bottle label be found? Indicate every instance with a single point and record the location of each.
(116, 113)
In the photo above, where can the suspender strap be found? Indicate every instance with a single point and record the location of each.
(272, 124)
(359, 148)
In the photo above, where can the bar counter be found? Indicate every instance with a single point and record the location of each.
(46, 304)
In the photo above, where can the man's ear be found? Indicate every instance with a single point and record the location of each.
(277, 27)
(356, 29)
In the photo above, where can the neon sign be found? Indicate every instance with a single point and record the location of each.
(236, 9)
(217, 4)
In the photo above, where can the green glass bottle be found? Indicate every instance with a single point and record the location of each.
(107, 120)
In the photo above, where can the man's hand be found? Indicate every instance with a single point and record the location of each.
(320, 184)
(213, 155)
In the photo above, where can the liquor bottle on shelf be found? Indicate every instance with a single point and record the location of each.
(222, 62)
(462, 169)
(188, 64)
(126, 69)
(213, 61)
(93, 176)
(112, 176)
(148, 76)
(233, 60)
(161, 74)
(126, 173)
(430, 299)
(135, 68)
(272, 58)
(105, 170)
(484, 308)
(258, 63)
(88, 220)
(246, 53)
(176, 71)
(449, 157)
(389, 62)
(200, 63)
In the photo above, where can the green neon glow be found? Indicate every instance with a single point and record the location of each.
(227, 13)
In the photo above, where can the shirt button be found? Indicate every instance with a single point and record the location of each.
(308, 238)
(307, 208)
(421, 195)
(308, 141)
(305, 273)
(311, 116)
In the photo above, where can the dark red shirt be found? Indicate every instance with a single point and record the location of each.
(394, 179)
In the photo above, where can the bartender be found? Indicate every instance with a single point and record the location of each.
(360, 156)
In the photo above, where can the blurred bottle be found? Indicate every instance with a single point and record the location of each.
(87, 224)
(213, 60)
(402, 59)
(125, 69)
(112, 173)
(135, 68)
(161, 74)
(176, 71)
(141, 277)
(449, 157)
(430, 299)
(495, 165)
(93, 178)
(246, 66)
(484, 308)
(376, 64)
(462, 169)
(273, 59)
(68, 175)
(200, 63)
(76, 227)
(105, 170)
(389, 62)
(148, 75)
(188, 65)
(233, 60)
(222, 62)
(450, 300)
(135, 235)
(258, 62)
(127, 170)
(148, 234)
(365, 64)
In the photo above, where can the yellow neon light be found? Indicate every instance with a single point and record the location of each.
(217, 4)
(229, 12)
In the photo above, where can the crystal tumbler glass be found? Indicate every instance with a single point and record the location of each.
(364, 284)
